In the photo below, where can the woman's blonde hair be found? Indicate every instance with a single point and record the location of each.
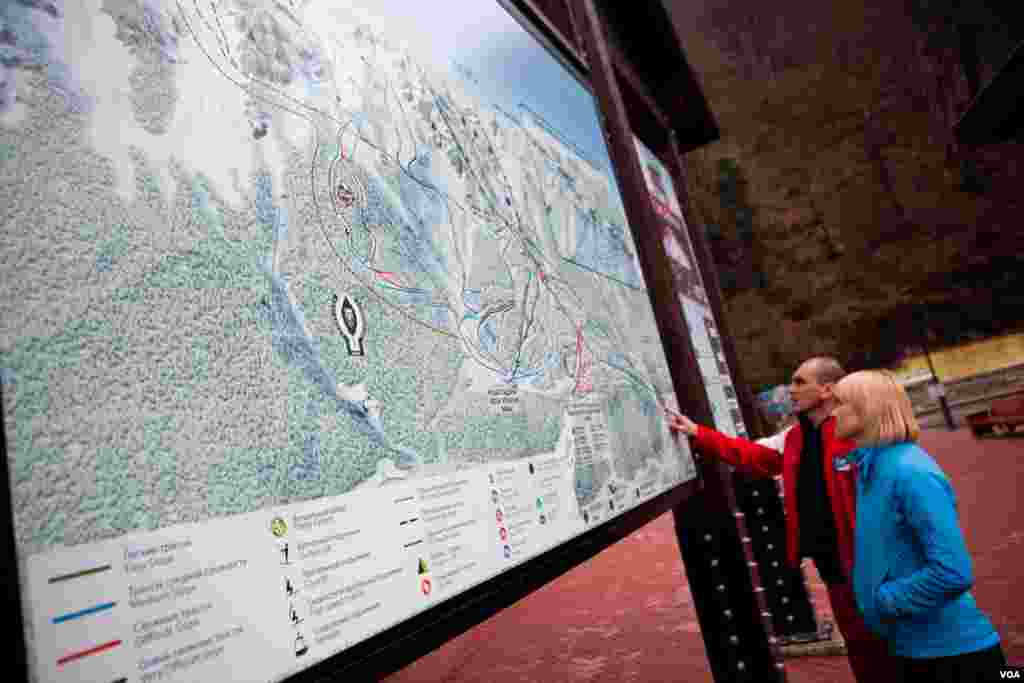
(882, 405)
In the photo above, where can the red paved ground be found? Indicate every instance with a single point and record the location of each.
(627, 614)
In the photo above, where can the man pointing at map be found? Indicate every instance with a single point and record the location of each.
(820, 504)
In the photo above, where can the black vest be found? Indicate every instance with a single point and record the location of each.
(818, 539)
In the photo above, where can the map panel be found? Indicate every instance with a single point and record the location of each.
(316, 277)
(707, 345)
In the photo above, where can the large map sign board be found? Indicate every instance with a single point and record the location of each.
(313, 318)
(693, 300)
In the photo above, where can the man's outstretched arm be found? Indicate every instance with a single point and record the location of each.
(749, 457)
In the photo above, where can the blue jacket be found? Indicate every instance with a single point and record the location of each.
(912, 571)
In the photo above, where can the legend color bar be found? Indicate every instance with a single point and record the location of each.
(85, 653)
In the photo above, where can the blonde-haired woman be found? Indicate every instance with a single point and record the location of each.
(912, 573)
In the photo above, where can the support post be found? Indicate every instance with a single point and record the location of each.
(712, 535)
(935, 387)
(786, 596)
(713, 289)
(18, 645)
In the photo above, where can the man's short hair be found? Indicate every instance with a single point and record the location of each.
(827, 369)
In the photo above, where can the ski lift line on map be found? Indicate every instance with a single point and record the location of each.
(582, 364)
(388, 90)
(489, 155)
(539, 259)
(223, 34)
(454, 240)
(267, 84)
(346, 192)
(393, 277)
(558, 135)
(369, 143)
(561, 306)
(502, 307)
(604, 275)
(330, 243)
(638, 381)
(273, 88)
(551, 280)
(371, 247)
(524, 326)
(458, 143)
(202, 16)
(405, 118)
(476, 355)
(581, 345)
(527, 323)
(550, 129)
(359, 186)
(222, 40)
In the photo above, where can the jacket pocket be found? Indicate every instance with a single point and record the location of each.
(873, 616)
(902, 564)
(886, 577)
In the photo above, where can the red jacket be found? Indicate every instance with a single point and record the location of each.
(759, 461)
